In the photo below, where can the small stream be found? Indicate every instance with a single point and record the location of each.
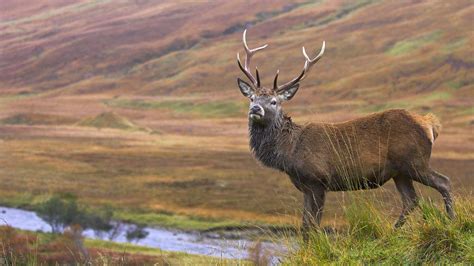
(164, 239)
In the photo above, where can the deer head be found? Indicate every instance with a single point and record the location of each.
(265, 104)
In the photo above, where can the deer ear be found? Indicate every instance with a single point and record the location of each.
(289, 93)
(245, 88)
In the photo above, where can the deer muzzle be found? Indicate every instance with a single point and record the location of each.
(256, 112)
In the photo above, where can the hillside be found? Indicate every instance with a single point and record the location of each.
(171, 68)
(379, 55)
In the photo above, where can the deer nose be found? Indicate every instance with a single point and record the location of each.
(255, 109)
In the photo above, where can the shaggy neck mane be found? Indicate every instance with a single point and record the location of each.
(273, 144)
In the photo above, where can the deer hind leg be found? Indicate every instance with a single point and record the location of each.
(409, 198)
(441, 183)
(313, 209)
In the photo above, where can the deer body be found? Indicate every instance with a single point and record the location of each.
(357, 154)
(363, 153)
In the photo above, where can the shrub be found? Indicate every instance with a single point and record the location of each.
(14, 247)
(136, 232)
(60, 212)
(63, 211)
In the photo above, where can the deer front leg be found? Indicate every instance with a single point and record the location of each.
(314, 197)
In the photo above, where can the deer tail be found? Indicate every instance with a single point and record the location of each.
(434, 124)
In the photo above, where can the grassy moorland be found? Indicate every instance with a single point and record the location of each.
(369, 238)
(133, 104)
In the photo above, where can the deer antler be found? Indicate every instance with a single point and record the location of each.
(307, 66)
(249, 53)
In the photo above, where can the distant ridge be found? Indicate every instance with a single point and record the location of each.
(110, 120)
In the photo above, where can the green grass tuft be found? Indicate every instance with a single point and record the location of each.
(427, 237)
(453, 46)
(410, 45)
(170, 220)
(365, 221)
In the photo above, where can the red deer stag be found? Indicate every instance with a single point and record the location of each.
(363, 153)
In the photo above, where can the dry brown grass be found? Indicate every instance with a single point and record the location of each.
(191, 176)
(27, 248)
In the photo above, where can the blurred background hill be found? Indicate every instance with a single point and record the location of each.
(80, 80)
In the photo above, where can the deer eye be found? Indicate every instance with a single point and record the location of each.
(273, 102)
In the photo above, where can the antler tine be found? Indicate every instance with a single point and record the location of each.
(307, 66)
(275, 81)
(247, 73)
(258, 77)
(309, 63)
(249, 53)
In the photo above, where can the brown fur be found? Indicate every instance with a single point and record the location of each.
(363, 153)
(430, 123)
